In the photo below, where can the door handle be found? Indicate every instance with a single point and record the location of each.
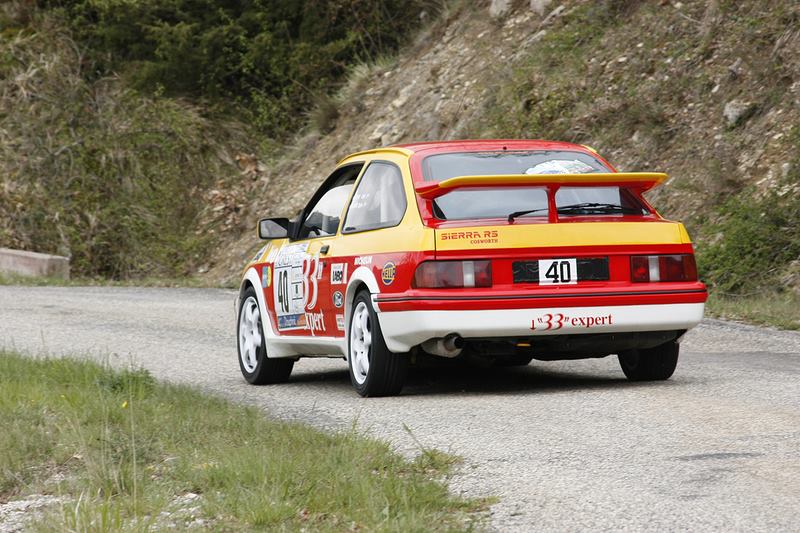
(324, 249)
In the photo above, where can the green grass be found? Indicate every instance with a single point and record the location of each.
(122, 450)
(766, 309)
(36, 281)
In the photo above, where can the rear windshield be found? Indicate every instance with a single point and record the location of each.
(444, 166)
(583, 201)
(531, 202)
(468, 204)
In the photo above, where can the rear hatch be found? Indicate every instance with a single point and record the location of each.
(570, 233)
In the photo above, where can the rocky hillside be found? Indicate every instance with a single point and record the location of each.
(706, 90)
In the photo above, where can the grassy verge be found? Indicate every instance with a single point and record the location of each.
(186, 282)
(766, 309)
(124, 452)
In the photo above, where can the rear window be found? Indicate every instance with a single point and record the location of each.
(583, 201)
(531, 202)
(444, 166)
(490, 203)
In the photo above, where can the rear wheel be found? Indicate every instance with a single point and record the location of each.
(256, 367)
(374, 370)
(651, 364)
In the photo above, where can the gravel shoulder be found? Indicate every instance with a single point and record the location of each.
(564, 445)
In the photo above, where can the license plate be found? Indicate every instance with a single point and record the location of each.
(558, 271)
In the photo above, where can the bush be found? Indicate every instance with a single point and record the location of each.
(271, 57)
(757, 238)
(96, 171)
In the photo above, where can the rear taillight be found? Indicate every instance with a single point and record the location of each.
(649, 268)
(450, 274)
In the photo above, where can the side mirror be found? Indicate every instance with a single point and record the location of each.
(273, 228)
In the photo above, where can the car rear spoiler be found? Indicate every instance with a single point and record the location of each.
(643, 181)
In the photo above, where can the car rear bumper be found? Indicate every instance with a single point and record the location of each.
(406, 329)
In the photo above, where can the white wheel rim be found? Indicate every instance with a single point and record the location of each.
(360, 342)
(249, 334)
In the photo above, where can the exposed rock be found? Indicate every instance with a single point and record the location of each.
(498, 8)
(540, 6)
(554, 14)
(737, 111)
(15, 515)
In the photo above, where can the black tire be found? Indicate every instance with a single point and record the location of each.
(386, 372)
(265, 370)
(651, 364)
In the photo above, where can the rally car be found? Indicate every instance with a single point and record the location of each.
(507, 250)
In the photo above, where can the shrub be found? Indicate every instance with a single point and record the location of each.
(271, 57)
(96, 171)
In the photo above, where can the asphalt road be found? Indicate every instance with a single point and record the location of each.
(565, 445)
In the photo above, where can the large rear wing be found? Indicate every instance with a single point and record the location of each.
(643, 181)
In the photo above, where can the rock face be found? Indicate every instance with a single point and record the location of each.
(498, 8)
(540, 6)
(737, 111)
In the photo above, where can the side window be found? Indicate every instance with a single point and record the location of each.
(379, 200)
(322, 219)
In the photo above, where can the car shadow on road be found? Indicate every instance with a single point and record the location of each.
(463, 380)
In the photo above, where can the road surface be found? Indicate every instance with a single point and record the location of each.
(564, 445)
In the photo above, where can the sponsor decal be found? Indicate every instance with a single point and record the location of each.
(266, 276)
(292, 322)
(315, 322)
(340, 322)
(338, 299)
(338, 273)
(388, 273)
(296, 287)
(258, 254)
(488, 236)
(363, 261)
(554, 321)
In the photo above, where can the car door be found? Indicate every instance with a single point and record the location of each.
(301, 287)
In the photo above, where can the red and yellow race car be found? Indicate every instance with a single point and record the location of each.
(505, 249)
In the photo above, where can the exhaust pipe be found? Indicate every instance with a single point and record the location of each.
(449, 346)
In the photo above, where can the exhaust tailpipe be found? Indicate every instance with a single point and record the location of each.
(449, 346)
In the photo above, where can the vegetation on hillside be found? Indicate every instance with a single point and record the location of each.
(122, 120)
(648, 84)
(269, 59)
(96, 171)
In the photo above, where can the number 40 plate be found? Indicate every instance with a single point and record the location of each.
(558, 271)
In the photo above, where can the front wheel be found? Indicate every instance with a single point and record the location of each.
(374, 370)
(651, 364)
(256, 367)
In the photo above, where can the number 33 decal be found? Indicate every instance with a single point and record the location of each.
(310, 275)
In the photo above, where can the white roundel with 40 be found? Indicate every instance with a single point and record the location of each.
(295, 285)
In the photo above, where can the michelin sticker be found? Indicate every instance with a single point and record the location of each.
(338, 273)
(296, 275)
(338, 299)
(340, 322)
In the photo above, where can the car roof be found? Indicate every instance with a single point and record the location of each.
(474, 145)
(490, 144)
